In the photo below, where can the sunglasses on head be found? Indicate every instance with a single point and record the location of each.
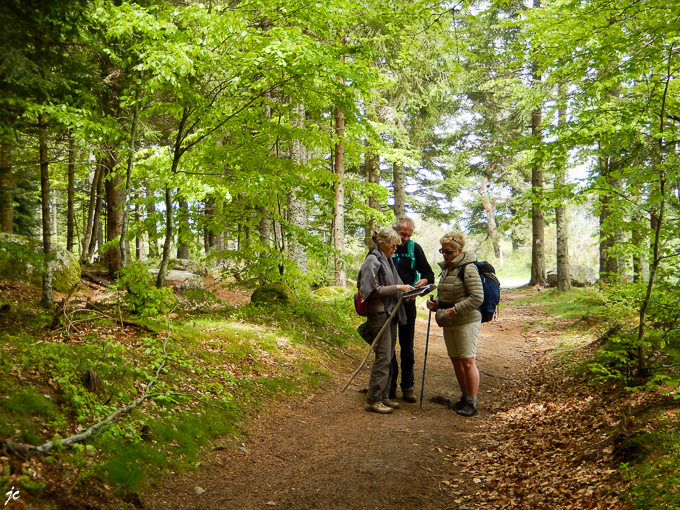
(447, 252)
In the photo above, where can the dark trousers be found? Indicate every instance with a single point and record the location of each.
(406, 334)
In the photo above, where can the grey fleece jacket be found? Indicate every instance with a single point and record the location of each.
(377, 283)
(467, 295)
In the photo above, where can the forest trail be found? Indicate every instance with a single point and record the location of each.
(327, 453)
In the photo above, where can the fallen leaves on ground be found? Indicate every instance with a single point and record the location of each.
(554, 447)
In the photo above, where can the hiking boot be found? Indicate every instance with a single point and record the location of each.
(467, 410)
(377, 407)
(389, 403)
(410, 396)
(457, 406)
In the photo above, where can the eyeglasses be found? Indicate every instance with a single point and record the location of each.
(447, 252)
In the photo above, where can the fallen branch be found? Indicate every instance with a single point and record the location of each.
(109, 419)
(61, 309)
(9, 447)
(102, 315)
(21, 450)
(95, 279)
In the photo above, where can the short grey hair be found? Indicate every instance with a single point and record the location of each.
(399, 222)
(386, 236)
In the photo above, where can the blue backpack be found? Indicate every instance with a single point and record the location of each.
(492, 289)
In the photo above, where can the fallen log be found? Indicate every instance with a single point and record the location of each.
(96, 279)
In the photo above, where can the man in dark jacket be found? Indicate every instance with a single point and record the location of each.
(413, 269)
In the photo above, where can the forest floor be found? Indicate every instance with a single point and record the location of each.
(542, 438)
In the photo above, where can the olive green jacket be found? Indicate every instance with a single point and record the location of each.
(466, 294)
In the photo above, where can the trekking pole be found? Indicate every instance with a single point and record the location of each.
(427, 341)
(382, 330)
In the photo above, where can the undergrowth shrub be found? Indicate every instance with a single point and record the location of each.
(328, 322)
(652, 466)
(142, 296)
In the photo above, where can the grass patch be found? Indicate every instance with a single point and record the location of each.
(172, 442)
(28, 407)
(570, 305)
(652, 464)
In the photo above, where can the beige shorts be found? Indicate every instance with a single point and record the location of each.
(461, 341)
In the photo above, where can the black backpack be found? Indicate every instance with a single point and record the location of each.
(491, 286)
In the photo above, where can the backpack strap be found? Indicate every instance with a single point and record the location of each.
(411, 252)
(461, 270)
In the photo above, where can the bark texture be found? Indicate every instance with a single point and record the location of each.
(296, 207)
(399, 190)
(373, 177)
(339, 206)
(6, 189)
(537, 227)
(47, 300)
(563, 276)
(115, 201)
(490, 208)
(70, 191)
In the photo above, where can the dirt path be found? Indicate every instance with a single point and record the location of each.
(328, 453)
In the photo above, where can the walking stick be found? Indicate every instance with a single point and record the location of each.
(382, 330)
(427, 341)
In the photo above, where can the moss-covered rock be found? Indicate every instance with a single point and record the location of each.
(580, 276)
(181, 280)
(190, 266)
(330, 293)
(21, 262)
(275, 293)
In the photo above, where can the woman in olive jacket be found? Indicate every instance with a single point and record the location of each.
(456, 312)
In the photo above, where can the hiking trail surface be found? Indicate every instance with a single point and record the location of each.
(526, 447)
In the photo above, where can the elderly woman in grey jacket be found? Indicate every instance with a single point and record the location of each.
(456, 306)
(380, 286)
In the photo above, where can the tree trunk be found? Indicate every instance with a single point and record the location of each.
(490, 208)
(6, 189)
(399, 190)
(208, 216)
(610, 235)
(54, 210)
(563, 276)
(373, 177)
(165, 262)
(139, 240)
(123, 246)
(115, 202)
(339, 205)
(96, 236)
(537, 227)
(184, 233)
(176, 156)
(642, 369)
(264, 227)
(637, 239)
(88, 228)
(47, 293)
(297, 209)
(151, 222)
(71, 213)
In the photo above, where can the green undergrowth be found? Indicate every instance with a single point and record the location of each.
(211, 372)
(650, 461)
